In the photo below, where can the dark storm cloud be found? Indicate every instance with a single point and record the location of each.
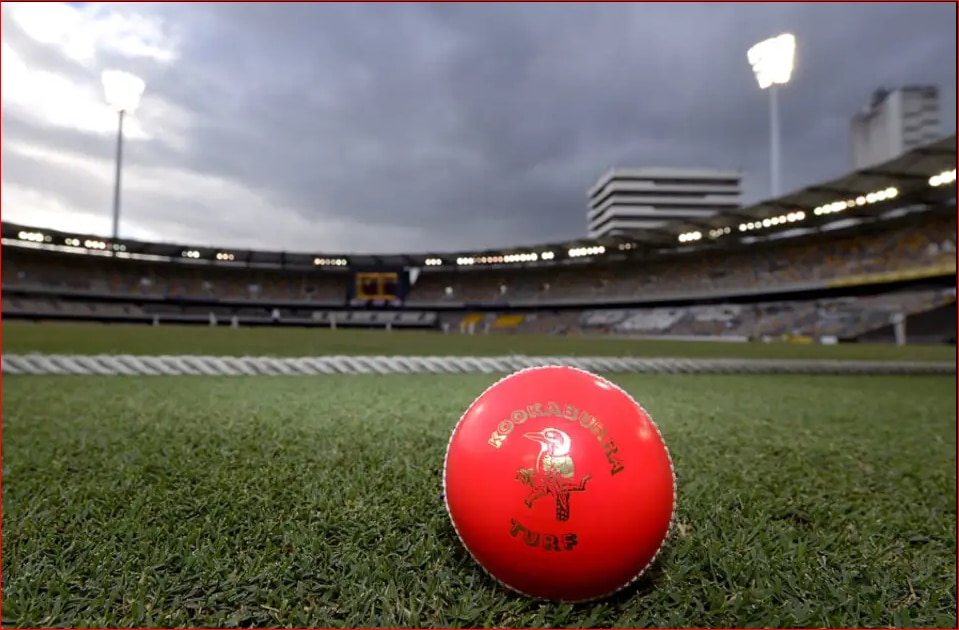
(482, 125)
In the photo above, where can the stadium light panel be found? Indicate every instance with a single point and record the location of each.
(330, 262)
(33, 237)
(122, 90)
(579, 252)
(768, 222)
(840, 205)
(719, 232)
(943, 178)
(517, 258)
(773, 60)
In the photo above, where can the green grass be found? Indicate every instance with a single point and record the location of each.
(803, 501)
(94, 339)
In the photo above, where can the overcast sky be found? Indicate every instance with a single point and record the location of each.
(424, 127)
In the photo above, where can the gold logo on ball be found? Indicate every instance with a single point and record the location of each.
(554, 473)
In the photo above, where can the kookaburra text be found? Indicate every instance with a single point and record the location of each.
(566, 412)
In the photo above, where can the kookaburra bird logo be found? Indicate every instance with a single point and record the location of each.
(554, 473)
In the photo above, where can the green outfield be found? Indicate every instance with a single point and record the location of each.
(315, 501)
(117, 339)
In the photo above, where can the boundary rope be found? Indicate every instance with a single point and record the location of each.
(134, 365)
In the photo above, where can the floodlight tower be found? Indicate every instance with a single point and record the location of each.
(123, 92)
(772, 61)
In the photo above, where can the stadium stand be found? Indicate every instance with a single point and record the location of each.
(843, 318)
(35, 268)
(842, 284)
(816, 258)
(885, 248)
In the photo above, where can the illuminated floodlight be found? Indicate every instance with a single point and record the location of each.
(942, 179)
(862, 200)
(579, 252)
(772, 61)
(122, 90)
(782, 219)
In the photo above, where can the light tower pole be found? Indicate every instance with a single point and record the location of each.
(772, 61)
(123, 92)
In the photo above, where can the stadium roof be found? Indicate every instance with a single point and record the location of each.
(909, 174)
(923, 176)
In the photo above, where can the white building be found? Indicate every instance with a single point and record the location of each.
(631, 200)
(896, 121)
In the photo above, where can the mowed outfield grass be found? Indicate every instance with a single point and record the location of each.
(21, 337)
(302, 501)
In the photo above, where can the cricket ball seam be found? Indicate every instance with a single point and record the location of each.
(672, 470)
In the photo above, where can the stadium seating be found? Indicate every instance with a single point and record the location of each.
(817, 259)
(550, 323)
(60, 285)
(842, 318)
(651, 321)
(825, 257)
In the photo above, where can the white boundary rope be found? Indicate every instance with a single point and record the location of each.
(132, 365)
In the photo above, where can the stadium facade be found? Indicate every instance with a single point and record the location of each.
(630, 200)
(895, 122)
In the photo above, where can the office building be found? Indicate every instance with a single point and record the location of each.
(895, 122)
(633, 200)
